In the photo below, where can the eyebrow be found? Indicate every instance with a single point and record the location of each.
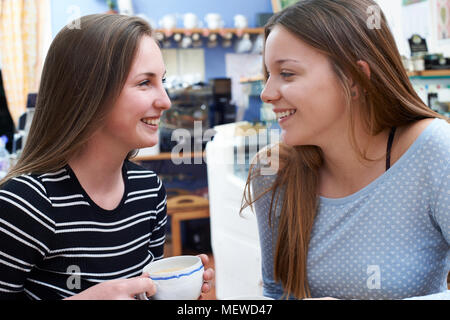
(150, 74)
(281, 61)
(287, 60)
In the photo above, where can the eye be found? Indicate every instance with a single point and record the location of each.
(144, 83)
(285, 74)
(164, 80)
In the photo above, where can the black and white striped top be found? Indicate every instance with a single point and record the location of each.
(56, 242)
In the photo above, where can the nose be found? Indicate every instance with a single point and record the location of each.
(163, 101)
(270, 93)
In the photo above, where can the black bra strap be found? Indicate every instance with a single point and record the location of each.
(389, 146)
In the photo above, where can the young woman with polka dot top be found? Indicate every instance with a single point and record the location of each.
(359, 206)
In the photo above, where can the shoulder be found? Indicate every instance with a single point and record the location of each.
(430, 157)
(24, 200)
(433, 134)
(440, 133)
(436, 139)
(25, 188)
(432, 127)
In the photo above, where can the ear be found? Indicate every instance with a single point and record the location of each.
(366, 69)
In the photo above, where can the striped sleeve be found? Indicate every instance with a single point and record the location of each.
(158, 232)
(26, 232)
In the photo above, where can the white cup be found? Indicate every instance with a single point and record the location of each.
(125, 7)
(190, 21)
(186, 42)
(176, 278)
(168, 22)
(240, 21)
(214, 21)
(244, 44)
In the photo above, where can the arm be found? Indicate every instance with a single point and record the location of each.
(120, 289)
(440, 213)
(26, 233)
(441, 209)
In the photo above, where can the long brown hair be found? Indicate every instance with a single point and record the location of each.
(339, 29)
(84, 73)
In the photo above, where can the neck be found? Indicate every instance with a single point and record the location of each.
(345, 171)
(98, 165)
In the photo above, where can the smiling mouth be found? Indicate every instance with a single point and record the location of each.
(151, 121)
(285, 114)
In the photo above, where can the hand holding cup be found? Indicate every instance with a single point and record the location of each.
(179, 278)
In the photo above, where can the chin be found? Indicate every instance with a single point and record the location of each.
(145, 144)
(149, 141)
(288, 139)
(153, 142)
(149, 145)
(292, 140)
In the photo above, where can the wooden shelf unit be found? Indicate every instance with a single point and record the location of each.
(430, 73)
(206, 31)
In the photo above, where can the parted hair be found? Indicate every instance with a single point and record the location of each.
(84, 73)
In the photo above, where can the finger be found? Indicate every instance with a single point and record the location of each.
(148, 293)
(206, 287)
(208, 274)
(141, 284)
(204, 258)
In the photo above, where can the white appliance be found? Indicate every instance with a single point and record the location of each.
(234, 238)
(125, 7)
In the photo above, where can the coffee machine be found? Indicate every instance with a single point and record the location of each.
(184, 123)
(195, 109)
(221, 110)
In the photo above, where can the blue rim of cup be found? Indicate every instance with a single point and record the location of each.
(178, 275)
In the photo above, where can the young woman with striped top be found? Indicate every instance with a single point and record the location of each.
(78, 220)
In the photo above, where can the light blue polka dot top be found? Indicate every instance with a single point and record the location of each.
(389, 240)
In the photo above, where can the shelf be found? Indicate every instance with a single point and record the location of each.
(251, 79)
(168, 156)
(206, 31)
(444, 73)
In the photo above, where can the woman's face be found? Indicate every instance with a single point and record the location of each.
(304, 90)
(134, 120)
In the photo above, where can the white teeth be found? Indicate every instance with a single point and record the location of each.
(154, 122)
(284, 114)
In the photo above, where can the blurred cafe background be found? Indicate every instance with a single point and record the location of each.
(212, 50)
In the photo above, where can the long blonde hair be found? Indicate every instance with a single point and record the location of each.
(339, 30)
(84, 73)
